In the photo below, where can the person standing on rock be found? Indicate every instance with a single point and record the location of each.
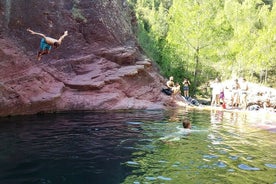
(243, 93)
(216, 89)
(235, 97)
(186, 83)
(47, 43)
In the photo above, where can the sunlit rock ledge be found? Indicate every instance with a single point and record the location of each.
(67, 85)
(99, 65)
(78, 83)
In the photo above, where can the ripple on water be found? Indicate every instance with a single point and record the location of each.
(132, 163)
(162, 161)
(164, 178)
(221, 164)
(135, 123)
(231, 170)
(233, 157)
(273, 166)
(150, 178)
(210, 156)
(248, 168)
(158, 177)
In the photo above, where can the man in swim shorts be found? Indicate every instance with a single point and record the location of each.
(47, 43)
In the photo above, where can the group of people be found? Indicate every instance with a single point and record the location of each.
(233, 94)
(238, 90)
(174, 88)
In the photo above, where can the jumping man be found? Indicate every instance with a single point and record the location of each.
(46, 43)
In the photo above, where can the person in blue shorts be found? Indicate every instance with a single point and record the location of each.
(186, 83)
(47, 43)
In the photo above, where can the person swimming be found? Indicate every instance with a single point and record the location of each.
(176, 136)
(186, 124)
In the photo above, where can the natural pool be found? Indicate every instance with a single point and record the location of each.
(138, 147)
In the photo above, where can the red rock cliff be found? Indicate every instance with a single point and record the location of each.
(98, 66)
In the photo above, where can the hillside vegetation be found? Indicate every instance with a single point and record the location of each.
(201, 40)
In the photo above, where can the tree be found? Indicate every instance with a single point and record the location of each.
(196, 29)
(199, 39)
(252, 43)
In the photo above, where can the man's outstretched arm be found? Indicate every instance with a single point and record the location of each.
(63, 36)
(36, 33)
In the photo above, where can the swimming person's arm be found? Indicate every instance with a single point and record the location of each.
(36, 33)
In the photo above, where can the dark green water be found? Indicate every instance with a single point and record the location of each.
(138, 147)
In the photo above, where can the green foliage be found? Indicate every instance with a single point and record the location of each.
(77, 15)
(201, 40)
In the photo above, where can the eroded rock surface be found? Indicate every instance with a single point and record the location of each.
(99, 66)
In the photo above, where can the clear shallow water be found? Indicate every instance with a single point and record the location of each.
(138, 147)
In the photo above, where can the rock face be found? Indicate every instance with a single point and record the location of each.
(99, 65)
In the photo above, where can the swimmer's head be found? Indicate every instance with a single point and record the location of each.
(186, 124)
(56, 44)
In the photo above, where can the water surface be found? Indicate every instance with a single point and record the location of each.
(138, 147)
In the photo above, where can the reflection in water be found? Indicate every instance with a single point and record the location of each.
(138, 147)
(224, 148)
(70, 148)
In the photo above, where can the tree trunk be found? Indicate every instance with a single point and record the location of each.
(265, 80)
(196, 69)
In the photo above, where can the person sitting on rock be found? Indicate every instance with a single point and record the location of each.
(46, 43)
(170, 85)
(175, 90)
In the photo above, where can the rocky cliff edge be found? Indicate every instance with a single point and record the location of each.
(99, 66)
